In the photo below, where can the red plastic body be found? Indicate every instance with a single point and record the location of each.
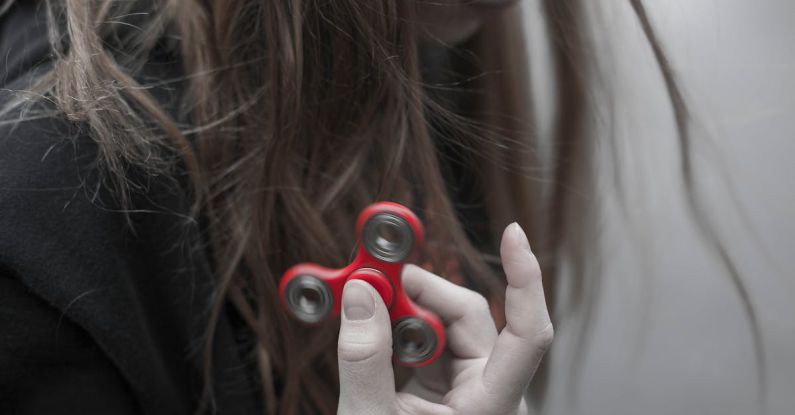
(383, 276)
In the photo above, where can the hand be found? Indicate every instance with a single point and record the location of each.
(481, 372)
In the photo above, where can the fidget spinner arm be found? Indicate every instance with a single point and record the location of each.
(388, 234)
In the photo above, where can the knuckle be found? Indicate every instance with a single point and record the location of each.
(407, 405)
(543, 338)
(478, 303)
(359, 352)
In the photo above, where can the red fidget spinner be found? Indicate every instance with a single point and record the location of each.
(388, 234)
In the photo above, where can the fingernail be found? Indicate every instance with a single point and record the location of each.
(357, 301)
(521, 236)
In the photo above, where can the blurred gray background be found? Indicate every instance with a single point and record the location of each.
(669, 334)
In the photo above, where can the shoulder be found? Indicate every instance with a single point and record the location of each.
(44, 159)
(65, 239)
(141, 293)
(137, 282)
(49, 186)
(62, 238)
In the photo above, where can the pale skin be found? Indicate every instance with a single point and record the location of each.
(481, 371)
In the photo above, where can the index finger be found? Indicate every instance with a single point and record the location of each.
(528, 331)
(470, 329)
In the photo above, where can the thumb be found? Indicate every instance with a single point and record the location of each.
(364, 350)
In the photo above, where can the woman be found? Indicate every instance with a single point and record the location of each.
(163, 162)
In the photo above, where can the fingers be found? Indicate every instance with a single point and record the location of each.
(470, 328)
(364, 352)
(528, 332)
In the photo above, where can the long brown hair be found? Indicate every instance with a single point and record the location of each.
(297, 113)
